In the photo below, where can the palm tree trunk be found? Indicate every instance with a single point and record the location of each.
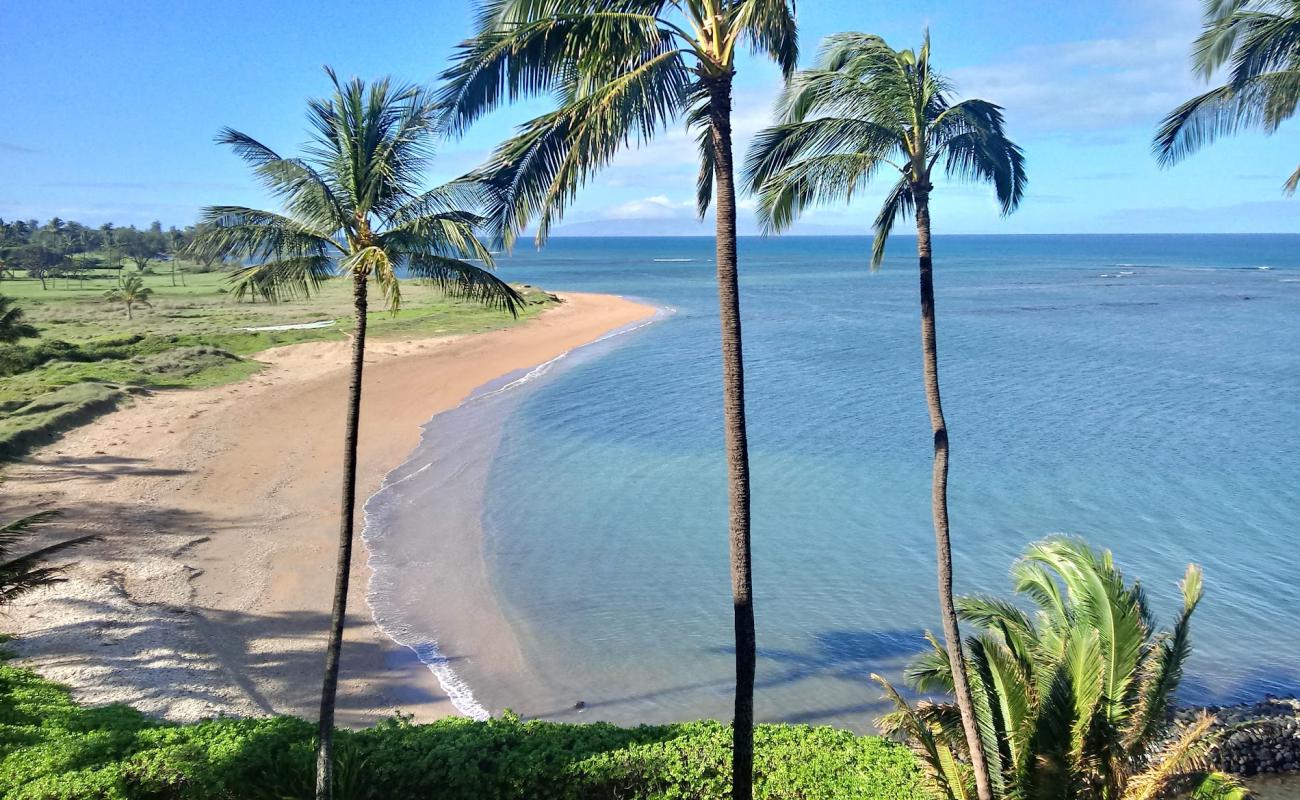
(342, 569)
(737, 446)
(939, 500)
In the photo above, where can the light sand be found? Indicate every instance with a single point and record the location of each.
(210, 592)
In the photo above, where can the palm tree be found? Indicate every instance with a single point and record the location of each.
(131, 293)
(12, 327)
(353, 207)
(1260, 41)
(1076, 701)
(21, 574)
(624, 70)
(865, 107)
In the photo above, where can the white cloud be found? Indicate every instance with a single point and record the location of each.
(657, 207)
(1093, 85)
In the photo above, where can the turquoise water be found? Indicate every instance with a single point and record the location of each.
(1140, 391)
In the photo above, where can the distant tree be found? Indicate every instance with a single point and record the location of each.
(141, 247)
(205, 259)
(175, 247)
(1260, 41)
(865, 108)
(131, 293)
(21, 574)
(38, 261)
(12, 327)
(354, 208)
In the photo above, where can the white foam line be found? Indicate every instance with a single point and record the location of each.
(457, 690)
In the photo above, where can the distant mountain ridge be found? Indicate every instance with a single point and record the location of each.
(688, 227)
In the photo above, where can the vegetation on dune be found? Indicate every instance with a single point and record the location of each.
(626, 70)
(1258, 41)
(90, 356)
(353, 207)
(53, 749)
(867, 107)
(1074, 702)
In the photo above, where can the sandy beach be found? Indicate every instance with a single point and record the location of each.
(209, 592)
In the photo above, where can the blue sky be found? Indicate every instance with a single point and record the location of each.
(111, 109)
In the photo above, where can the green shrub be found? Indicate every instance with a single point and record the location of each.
(51, 748)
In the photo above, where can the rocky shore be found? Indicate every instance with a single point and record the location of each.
(1261, 737)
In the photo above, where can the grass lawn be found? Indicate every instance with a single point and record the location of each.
(90, 356)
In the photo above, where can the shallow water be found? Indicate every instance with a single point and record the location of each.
(1139, 391)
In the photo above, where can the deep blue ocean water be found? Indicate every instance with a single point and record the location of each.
(1139, 391)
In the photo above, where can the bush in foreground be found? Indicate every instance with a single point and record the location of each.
(52, 748)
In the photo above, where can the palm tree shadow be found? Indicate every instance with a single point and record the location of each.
(851, 655)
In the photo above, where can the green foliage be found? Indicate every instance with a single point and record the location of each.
(51, 748)
(1075, 701)
(354, 205)
(1258, 41)
(622, 72)
(131, 292)
(190, 340)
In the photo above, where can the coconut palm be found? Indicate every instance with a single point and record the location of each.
(1259, 41)
(21, 574)
(131, 293)
(867, 107)
(1075, 701)
(624, 70)
(12, 327)
(353, 207)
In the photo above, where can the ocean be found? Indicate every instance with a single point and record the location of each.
(1138, 391)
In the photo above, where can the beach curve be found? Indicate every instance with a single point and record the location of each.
(210, 592)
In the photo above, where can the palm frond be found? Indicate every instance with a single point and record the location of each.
(1265, 43)
(971, 138)
(525, 48)
(307, 195)
(1289, 187)
(466, 281)
(813, 181)
(19, 575)
(538, 172)
(17, 530)
(1164, 670)
(1264, 102)
(1214, 46)
(898, 203)
(776, 148)
(1183, 755)
(284, 279)
(256, 235)
(931, 671)
(12, 327)
(770, 28)
(938, 765)
(700, 121)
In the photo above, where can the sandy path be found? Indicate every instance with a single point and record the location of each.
(211, 589)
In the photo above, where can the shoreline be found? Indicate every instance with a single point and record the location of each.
(210, 592)
(431, 589)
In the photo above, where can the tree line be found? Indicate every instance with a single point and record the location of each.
(70, 251)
